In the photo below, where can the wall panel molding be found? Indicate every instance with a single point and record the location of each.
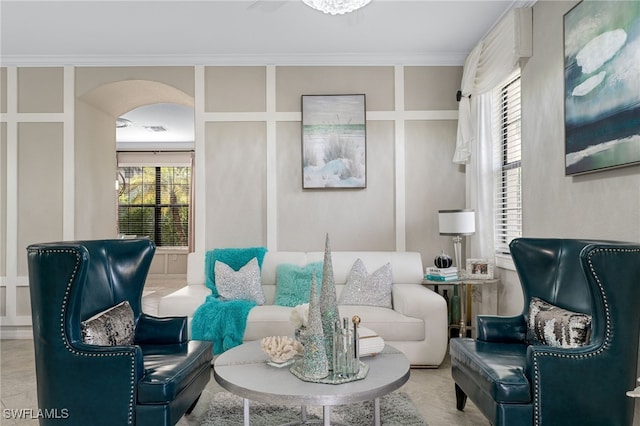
(13, 325)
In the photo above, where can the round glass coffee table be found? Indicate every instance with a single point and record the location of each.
(244, 371)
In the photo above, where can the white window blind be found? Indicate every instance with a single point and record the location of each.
(507, 161)
(155, 196)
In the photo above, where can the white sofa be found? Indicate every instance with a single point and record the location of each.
(417, 324)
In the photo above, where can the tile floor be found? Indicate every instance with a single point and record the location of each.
(430, 389)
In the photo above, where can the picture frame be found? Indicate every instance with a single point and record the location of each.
(480, 269)
(334, 142)
(601, 96)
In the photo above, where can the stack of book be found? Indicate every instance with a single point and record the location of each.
(442, 274)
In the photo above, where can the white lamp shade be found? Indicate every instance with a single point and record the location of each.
(456, 222)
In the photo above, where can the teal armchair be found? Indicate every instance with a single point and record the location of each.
(516, 380)
(152, 379)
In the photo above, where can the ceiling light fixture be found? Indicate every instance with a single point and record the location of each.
(121, 123)
(336, 7)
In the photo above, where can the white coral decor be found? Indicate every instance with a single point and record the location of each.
(300, 316)
(281, 348)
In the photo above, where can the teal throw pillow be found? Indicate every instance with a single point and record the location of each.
(236, 258)
(293, 283)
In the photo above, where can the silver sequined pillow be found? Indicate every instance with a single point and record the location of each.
(553, 326)
(241, 284)
(367, 290)
(112, 327)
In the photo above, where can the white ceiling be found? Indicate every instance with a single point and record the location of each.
(176, 120)
(93, 32)
(241, 32)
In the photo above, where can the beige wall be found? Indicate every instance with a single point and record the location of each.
(235, 184)
(250, 115)
(410, 140)
(3, 185)
(40, 90)
(235, 89)
(377, 83)
(3, 90)
(236, 151)
(355, 219)
(31, 180)
(433, 183)
(90, 78)
(169, 263)
(602, 205)
(95, 166)
(3, 199)
(103, 94)
(39, 186)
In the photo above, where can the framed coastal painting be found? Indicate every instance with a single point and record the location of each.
(334, 139)
(602, 85)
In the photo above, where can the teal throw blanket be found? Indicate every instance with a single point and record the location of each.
(222, 322)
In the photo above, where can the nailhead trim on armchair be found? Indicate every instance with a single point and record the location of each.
(599, 351)
(71, 349)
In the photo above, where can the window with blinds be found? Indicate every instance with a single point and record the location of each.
(508, 177)
(154, 197)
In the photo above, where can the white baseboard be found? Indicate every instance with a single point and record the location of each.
(15, 333)
(167, 276)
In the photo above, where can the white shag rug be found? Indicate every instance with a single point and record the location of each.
(396, 409)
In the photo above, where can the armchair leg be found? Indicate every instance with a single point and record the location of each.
(190, 409)
(461, 398)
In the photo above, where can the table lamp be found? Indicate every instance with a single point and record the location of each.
(458, 223)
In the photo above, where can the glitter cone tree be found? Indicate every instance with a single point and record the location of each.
(328, 302)
(315, 364)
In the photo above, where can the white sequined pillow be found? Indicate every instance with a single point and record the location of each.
(367, 290)
(241, 284)
(111, 327)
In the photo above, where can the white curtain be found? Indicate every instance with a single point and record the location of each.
(488, 64)
(479, 180)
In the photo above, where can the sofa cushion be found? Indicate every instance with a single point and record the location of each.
(236, 258)
(241, 284)
(268, 320)
(184, 301)
(553, 326)
(274, 320)
(367, 290)
(294, 283)
(111, 327)
(391, 325)
(498, 369)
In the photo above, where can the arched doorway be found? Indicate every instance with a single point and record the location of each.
(95, 147)
(155, 147)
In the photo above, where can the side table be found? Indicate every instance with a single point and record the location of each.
(465, 287)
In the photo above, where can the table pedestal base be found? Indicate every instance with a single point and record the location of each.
(326, 415)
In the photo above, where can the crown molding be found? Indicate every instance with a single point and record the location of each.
(425, 59)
